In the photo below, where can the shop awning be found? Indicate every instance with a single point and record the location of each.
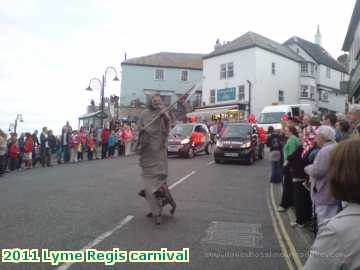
(97, 115)
(212, 111)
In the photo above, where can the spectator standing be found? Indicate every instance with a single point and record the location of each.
(52, 145)
(326, 206)
(36, 145)
(344, 129)
(83, 138)
(45, 148)
(121, 146)
(3, 148)
(331, 120)
(290, 147)
(21, 144)
(13, 152)
(111, 143)
(105, 134)
(28, 148)
(354, 119)
(91, 144)
(65, 144)
(127, 137)
(74, 146)
(337, 244)
(276, 157)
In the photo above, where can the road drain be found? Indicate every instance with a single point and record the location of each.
(233, 234)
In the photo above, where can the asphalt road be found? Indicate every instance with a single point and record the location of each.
(225, 215)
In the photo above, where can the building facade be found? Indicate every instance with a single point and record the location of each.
(352, 46)
(169, 74)
(320, 76)
(253, 71)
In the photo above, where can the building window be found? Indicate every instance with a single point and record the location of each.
(159, 74)
(230, 70)
(304, 91)
(312, 68)
(226, 71)
(212, 96)
(304, 67)
(328, 72)
(342, 76)
(223, 71)
(241, 92)
(281, 97)
(312, 92)
(323, 95)
(273, 69)
(184, 75)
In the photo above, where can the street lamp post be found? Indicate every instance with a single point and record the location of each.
(249, 105)
(14, 125)
(102, 89)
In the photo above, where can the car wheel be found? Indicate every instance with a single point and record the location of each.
(190, 153)
(251, 159)
(217, 161)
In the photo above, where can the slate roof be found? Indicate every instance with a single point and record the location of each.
(168, 60)
(251, 39)
(354, 22)
(318, 53)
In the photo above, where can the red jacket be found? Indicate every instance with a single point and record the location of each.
(14, 151)
(105, 134)
(28, 147)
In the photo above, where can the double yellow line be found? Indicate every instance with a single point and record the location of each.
(287, 247)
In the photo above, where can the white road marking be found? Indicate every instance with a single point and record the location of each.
(126, 220)
(182, 180)
(99, 239)
(211, 162)
(293, 252)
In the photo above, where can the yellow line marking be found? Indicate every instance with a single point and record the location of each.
(278, 236)
(288, 241)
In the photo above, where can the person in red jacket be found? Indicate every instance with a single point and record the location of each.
(105, 134)
(14, 152)
(28, 147)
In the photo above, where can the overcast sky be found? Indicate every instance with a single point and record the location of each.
(49, 50)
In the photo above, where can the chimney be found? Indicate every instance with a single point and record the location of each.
(125, 57)
(318, 36)
(217, 44)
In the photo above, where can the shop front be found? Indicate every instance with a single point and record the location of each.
(231, 113)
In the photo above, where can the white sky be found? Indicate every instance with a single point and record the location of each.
(49, 50)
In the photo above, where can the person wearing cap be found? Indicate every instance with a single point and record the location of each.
(354, 119)
(326, 206)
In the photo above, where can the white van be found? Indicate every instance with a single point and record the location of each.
(272, 115)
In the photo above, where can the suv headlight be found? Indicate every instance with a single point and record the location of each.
(185, 141)
(246, 145)
(219, 144)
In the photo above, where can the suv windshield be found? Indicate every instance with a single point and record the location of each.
(182, 130)
(236, 131)
(270, 118)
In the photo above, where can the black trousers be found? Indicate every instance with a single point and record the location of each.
(287, 195)
(12, 164)
(104, 150)
(45, 156)
(302, 203)
(2, 164)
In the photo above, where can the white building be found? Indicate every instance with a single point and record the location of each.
(255, 71)
(320, 76)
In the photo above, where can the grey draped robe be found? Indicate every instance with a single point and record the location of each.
(152, 147)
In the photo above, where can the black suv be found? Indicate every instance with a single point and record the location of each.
(239, 141)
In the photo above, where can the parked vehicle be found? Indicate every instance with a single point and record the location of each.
(272, 115)
(183, 140)
(239, 142)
